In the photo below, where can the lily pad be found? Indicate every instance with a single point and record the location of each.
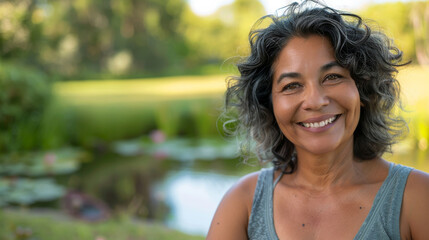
(182, 149)
(35, 164)
(24, 191)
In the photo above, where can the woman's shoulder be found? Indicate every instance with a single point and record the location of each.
(244, 188)
(248, 181)
(231, 217)
(416, 204)
(417, 187)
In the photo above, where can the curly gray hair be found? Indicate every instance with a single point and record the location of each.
(369, 55)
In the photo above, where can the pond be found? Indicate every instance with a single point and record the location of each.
(179, 182)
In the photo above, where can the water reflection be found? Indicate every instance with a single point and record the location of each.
(193, 198)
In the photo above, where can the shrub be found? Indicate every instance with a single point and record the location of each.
(24, 96)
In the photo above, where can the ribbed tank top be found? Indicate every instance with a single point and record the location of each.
(381, 223)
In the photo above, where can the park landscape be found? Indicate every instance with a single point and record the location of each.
(114, 134)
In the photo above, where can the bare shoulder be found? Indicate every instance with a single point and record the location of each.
(416, 205)
(417, 188)
(231, 217)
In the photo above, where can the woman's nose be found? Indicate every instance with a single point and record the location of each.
(315, 97)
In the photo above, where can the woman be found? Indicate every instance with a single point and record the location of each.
(316, 95)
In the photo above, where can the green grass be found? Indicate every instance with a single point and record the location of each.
(141, 91)
(46, 226)
(87, 112)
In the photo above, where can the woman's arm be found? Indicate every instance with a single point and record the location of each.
(415, 208)
(232, 215)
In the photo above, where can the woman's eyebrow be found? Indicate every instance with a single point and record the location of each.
(323, 68)
(329, 65)
(288, 75)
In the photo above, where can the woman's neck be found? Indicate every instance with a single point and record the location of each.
(328, 171)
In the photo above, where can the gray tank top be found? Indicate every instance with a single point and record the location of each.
(381, 223)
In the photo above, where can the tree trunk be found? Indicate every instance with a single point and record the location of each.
(420, 21)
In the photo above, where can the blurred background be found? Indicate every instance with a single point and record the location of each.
(109, 111)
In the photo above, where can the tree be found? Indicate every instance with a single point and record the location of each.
(77, 38)
(419, 18)
(116, 36)
(20, 29)
(393, 19)
(222, 35)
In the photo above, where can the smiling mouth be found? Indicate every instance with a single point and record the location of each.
(321, 123)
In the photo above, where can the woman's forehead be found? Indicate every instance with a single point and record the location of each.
(301, 53)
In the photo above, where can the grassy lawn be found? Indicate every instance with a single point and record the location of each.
(50, 225)
(118, 109)
(141, 90)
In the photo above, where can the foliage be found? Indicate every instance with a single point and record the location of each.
(116, 36)
(24, 174)
(125, 38)
(20, 29)
(419, 18)
(14, 223)
(406, 23)
(94, 125)
(24, 96)
(226, 31)
(80, 38)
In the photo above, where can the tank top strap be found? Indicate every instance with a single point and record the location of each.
(382, 221)
(261, 224)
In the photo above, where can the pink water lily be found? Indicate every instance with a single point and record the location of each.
(157, 136)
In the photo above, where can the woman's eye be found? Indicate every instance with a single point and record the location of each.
(333, 77)
(291, 87)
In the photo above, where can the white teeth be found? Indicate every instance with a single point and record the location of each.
(319, 124)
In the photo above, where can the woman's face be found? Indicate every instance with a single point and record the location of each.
(316, 103)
